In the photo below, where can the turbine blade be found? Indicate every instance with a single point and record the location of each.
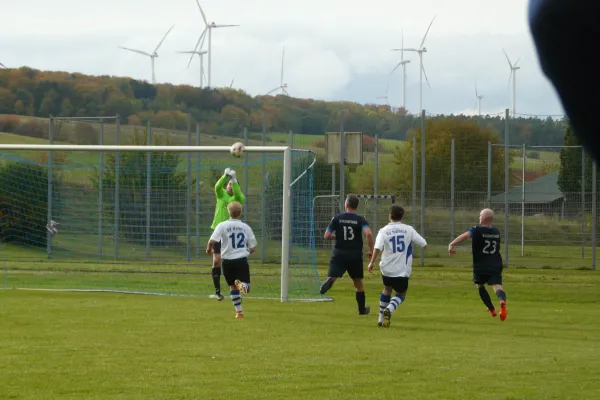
(164, 37)
(198, 43)
(202, 12)
(223, 26)
(476, 92)
(2, 65)
(396, 67)
(286, 92)
(509, 79)
(402, 50)
(136, 51)
(426, 32)
(277, 88)
(516, 62)
(231, 84)
(507, 59)
(425, 75)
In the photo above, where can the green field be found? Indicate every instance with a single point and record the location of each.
(441, 345)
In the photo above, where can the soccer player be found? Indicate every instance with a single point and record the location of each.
(487, 261)
(394, 243)
(347, 229)
(227, 189)
(237, 242)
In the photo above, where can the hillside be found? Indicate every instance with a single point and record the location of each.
(29, 92)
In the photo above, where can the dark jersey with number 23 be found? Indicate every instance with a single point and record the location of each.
(348, 229)
(486, 249)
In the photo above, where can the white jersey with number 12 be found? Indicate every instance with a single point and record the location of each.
(236, 238)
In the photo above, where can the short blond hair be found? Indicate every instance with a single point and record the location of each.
(234, 209)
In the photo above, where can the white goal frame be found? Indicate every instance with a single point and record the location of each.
(287, 180)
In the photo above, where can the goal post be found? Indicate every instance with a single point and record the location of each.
(149, 191)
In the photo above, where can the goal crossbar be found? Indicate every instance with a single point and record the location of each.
(287, 180)
(119, 148)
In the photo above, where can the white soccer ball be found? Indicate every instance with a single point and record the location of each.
(237, 149)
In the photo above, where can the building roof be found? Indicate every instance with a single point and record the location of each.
(542, 190)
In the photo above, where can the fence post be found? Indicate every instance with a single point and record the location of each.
(582, 202)
(188, 195)
(375, 183)
(506, 186)
(263, 186)
(244, 207)
(342, 162)
(414, 183)
(148, 188)
(452, 177)
(489, 176)
(594, 206)
(100, 185)
(198, 185)
(423, 151)
(50, 179)
(524, 159)
(117, 187)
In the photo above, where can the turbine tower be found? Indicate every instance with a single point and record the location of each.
(200, 54)
(209, 28)
(479, 97)
(152, 55)
(402, 63)
(421, 49)
(513, 76)
(282, 86)
(385, 97)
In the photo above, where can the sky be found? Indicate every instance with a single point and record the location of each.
(334, 49)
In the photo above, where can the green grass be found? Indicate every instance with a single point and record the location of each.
(548, 161)
(441, 345)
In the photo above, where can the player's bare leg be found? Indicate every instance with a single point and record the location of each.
(487, 300)
(360, 297)
(384, 301)
(327, 284)
(237, 300)
(216, 276)
(502, 297)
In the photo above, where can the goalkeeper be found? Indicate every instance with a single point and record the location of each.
(227, 190)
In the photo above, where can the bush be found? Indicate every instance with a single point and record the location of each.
(32, 128)
(9, 123)
(85, 134)
(534, 155)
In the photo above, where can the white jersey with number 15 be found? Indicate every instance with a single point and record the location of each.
(395, 240)
(236, 238)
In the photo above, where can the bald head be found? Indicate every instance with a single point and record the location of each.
(486, 216)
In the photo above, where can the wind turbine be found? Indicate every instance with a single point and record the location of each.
(479, 97)
(209, 28)
(402, 63)
(200, 54)
(421, 49)
(3, 66)
(231, 84)
(385, 97)
(513, 76)
(282, 86)
(152, 55)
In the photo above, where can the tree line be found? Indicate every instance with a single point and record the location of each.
(225, 111)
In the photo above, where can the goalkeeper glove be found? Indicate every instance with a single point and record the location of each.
(232, 175)
(227, 171)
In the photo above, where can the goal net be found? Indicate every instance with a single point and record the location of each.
(137, 218)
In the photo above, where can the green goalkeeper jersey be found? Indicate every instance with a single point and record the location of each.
(223, 199)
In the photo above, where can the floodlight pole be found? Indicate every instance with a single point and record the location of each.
(342, 163)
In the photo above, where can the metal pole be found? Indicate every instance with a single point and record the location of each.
(524, 158)
(452, 177)
(50, 176)
(489, 177)
(244, 207)
(198, 183)
(291, 139)
(375, 183)
(414, 183)
(506, 185)
(148, 188)
(188, 195)
(342, 162)
(582, 202)
(423, 151)
(117, 210)
(594, 207)
(286, 223)
(100, 193)
(263, 186)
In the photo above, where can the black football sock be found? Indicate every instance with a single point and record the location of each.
(361, 299)
(485, 297)
(326, 285)
(216, 276)
(501, 295)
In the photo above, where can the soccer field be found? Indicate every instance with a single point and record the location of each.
(441, 345)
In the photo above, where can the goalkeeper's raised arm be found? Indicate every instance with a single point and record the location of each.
(227, 190)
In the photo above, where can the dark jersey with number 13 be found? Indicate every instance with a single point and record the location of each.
(348, 228)
(486, 249)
